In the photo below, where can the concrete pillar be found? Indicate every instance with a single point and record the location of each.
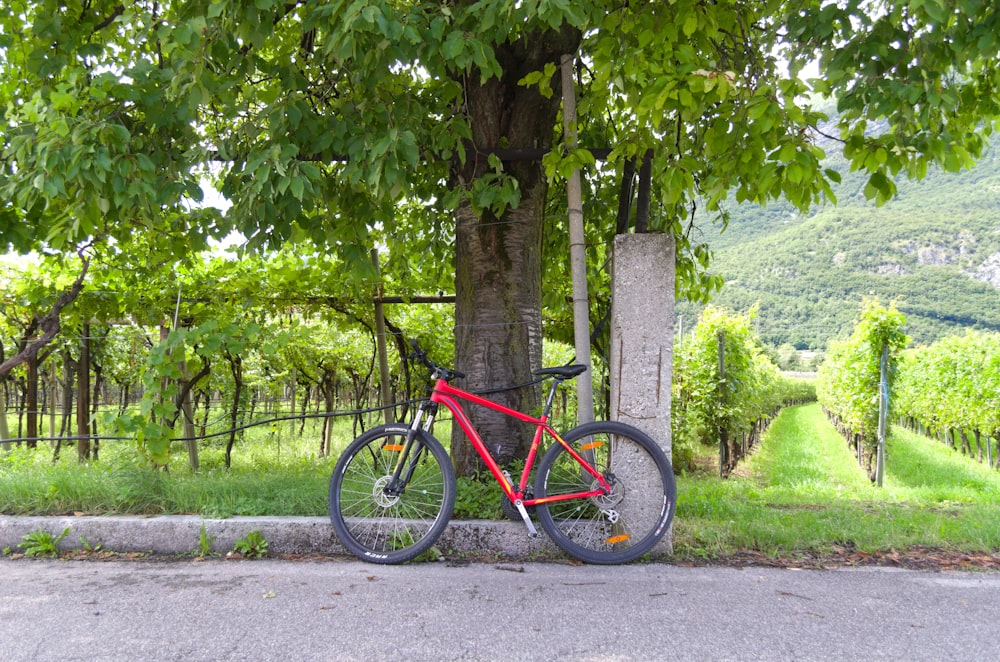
(642, 333)
(642, 338)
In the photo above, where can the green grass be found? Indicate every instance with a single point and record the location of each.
(271, 474)
(803, 492)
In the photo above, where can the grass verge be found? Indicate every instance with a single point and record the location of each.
(802, 493)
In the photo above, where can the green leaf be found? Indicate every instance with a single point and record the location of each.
(690, 24)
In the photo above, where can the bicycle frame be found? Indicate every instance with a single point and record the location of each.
(449, 396)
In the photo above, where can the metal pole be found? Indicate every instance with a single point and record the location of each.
(883, 411)
(723, 436)
(577, 254)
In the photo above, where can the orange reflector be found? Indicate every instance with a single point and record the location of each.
(592, 445)
(394, 447)
(614, 540)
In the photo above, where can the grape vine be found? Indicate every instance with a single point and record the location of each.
(848, 381)
(951, 390)
(726, 388)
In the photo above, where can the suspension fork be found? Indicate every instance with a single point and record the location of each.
(400, 480)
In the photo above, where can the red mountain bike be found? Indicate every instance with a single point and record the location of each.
(604, 492)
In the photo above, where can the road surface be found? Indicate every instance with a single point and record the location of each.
(348, 610)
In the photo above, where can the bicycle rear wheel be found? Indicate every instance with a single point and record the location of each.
(617, 527)
(386, 528)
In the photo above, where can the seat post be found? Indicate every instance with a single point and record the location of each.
(556, 381)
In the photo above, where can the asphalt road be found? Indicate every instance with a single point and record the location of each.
(348, 610)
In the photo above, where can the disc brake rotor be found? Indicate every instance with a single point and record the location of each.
(607, 502)
(378, 493)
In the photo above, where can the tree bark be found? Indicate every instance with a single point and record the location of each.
(185, 408)
(498, 335)
(69, 369)
(31, 400)
(95, 401)
(53, 398)
(83, 399)
(4, 430)
(236, 369)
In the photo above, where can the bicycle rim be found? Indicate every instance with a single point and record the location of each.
(384, 528)
(617, 527)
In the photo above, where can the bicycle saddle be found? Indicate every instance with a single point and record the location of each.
(563, 371)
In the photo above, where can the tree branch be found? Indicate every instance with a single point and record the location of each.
(115, 13)
(49, 324)
(186, 387)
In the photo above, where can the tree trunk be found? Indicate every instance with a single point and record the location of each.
(328, 392)
(304, 408)
(123, 405)
(498, 334)
(966, 446)
(187, 413)
(53, 397)
(207, 412)
(498, 325)
(996, 455)
(31, 401)
(83, 399)
(236, 368)
(21, 404)
(65, 425)
(293, 386)
(95, 400)
(4, 430)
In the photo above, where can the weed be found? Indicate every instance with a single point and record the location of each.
(41, 543)
(88, 547)
(205, 542)
(253, 546)
(432, 554)
(477, 498)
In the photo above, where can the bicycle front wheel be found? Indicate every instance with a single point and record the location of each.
(384, 527)
(612, 528)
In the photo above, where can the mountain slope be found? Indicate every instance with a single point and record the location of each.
(935, 250)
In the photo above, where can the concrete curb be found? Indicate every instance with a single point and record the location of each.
(181, 534)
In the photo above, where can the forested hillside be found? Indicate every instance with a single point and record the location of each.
(935, 249)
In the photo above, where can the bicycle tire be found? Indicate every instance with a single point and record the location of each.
(390, 529)
(614, 528)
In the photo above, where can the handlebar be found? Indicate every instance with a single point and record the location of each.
(560, 373)
(437, 371)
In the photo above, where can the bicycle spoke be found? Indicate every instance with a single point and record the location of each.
(384, 526)
(627, 521)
